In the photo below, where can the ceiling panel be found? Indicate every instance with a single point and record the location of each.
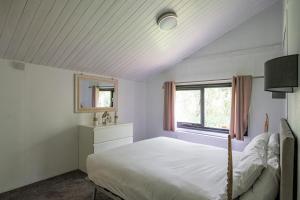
(14, 15)
(115, 37)
(33, 30)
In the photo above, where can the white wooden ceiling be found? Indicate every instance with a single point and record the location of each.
(114, 37)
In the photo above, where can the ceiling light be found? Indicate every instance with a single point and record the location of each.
(167, 21)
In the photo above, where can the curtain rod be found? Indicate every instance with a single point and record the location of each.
(222, 79)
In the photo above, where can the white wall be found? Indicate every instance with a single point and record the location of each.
(262, 29)
(38, 135)
(293, 47)
(242, 51)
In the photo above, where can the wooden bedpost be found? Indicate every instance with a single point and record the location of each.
(94, 194)
(229, 170)
(266, 127)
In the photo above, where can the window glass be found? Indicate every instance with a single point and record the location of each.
(217, 107)
(104, 99)
(203, 107)
(188, 106)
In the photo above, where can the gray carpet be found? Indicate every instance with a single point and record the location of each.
(69, 186)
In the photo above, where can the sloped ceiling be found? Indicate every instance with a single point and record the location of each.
(115, 37)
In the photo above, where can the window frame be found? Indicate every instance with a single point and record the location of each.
(200, 126)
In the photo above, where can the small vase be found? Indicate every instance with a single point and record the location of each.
(95, 120)
(95, 123)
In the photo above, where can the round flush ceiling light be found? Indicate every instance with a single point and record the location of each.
(167, 21)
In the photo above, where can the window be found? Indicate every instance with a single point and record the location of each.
(204, 107)
(104, 99)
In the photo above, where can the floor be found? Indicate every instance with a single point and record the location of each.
(69, 186)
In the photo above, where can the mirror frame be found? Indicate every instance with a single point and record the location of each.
(78, 109)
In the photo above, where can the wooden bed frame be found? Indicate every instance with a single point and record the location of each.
(104, 191)
(229, 169)
(287, 161)
(287, 164)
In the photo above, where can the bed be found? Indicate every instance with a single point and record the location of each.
(166, 168)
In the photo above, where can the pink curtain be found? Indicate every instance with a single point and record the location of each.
(169, 104)
(240, 103)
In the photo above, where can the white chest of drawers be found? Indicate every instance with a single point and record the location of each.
(94, 139)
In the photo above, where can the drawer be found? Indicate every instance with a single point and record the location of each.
(112, 144)
(108, 133)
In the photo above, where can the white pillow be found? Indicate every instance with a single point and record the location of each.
(259, 144)
(267, 185)
(273, 144)
(273, 155)
(251, 164)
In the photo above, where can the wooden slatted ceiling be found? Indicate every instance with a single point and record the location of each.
(115, 37)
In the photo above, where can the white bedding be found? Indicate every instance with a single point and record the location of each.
(161, 169)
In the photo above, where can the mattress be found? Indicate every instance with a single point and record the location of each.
(161, 169)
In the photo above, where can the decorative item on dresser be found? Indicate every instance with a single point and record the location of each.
(94, 139)
(106, 118)
(116, 117)
(95, 120)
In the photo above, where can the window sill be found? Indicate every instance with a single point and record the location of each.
(210, 134)
(200, 132)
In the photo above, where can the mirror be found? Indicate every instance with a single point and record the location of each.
(95, 94)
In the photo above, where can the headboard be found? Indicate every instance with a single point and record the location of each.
(287, 152)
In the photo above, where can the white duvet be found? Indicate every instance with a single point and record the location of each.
(162, 169)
